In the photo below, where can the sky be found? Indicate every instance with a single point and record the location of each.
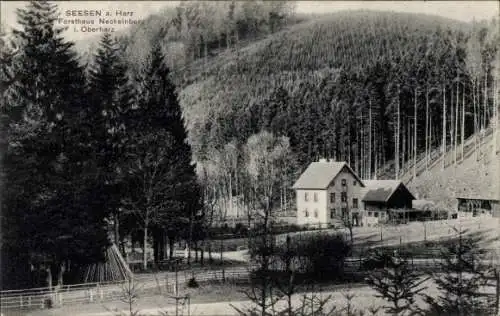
(459, 10)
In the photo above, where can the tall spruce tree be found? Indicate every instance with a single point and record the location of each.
(397, 283)
(462, 274)
(111, 97)
(51, 203)
(158, 152)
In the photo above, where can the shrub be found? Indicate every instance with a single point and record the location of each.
(192, 283)
(48, 303)
(240, 230)
(321, 256)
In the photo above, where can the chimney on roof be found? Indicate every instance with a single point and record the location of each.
(323, 160)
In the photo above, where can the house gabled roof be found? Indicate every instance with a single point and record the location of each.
(319, 175)
(381, 190)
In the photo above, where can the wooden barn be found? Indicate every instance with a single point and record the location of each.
(386, 200)
(478, 206)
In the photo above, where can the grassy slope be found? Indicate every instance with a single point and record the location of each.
(474, 177)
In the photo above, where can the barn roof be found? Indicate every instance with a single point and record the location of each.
(380, 190)
(423, 205)
(319, 175)
(482, 198)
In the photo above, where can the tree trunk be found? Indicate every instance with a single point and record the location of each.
(430, 136)
(171, 246)
(415, 136)
(60, 276)
(452, 119)
(463, 122)
(427, 151)
(196, 251)
(144, 248)
(48, 278)
(202, 253)
(116, 225)
(190, 240)
(455, 139)
(485, 100)
(285, 196)
(495, 119)
(156, 245)
(398, 134)
(221, 251)
(443, 144)
(370, 141)
(475, 118)
(362, 150)
(408, 141)
(210, 259)
(349, 140)
(375, 145)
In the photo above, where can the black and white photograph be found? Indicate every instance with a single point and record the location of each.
(249, 158)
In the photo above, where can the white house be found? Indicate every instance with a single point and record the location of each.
(326, 191)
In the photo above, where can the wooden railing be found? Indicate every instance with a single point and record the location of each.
(110, 291)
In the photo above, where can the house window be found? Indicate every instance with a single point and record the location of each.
(344, 182)
(332, 213)
(355, 203)
(332, 197)
(315, 197)
(375, 214)
(344, 212)
(306, 196)
(343, 196)
(316, 213)
(306, 213)
(354, 183)
(370, 214)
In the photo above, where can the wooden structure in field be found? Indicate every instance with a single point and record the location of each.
(387, 201)
(478, 206)
(114, 268)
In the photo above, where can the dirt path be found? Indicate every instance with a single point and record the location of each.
(363, 299)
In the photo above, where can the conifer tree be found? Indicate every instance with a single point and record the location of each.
(52, 202)
(462, 273)
(111, 97)
(398, 283)
(157, 151)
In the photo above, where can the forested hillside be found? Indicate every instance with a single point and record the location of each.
(360, 86)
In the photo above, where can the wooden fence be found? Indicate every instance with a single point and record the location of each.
(112, 291)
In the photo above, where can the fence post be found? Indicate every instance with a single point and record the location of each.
(60, 298)
(21, 300)
(29, 301)
(100, 293)
(91, 294)
(166, 282)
